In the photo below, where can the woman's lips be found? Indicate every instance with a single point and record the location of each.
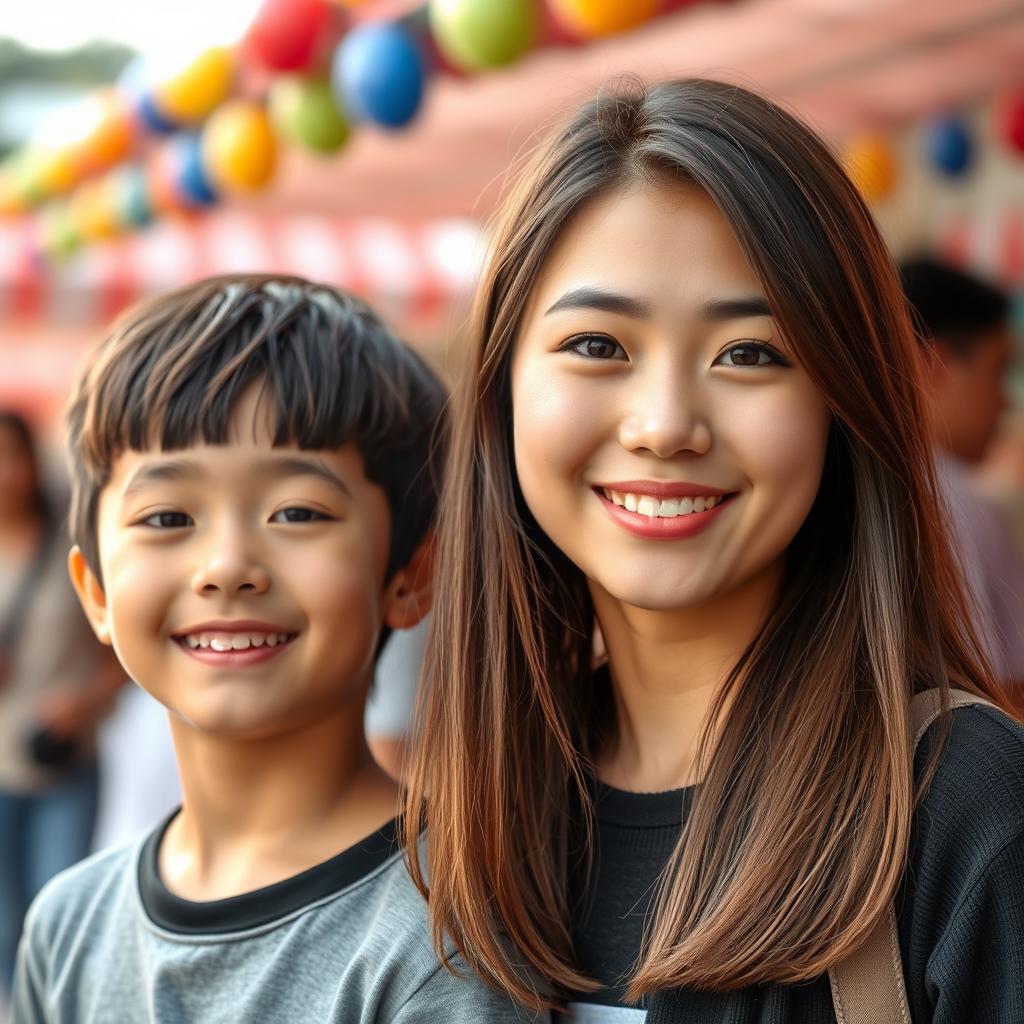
(676, 523)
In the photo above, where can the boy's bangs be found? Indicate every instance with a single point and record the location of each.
(183, 389)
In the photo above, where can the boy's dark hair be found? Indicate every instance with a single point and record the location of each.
(174, 367)
(951, 305)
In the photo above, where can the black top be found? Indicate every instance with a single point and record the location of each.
(960, 909)
(261, 906)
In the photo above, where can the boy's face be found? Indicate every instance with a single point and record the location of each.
(243, 585)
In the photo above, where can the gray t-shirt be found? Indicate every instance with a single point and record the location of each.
(346, 942)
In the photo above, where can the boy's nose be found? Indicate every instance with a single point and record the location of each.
(230, 572)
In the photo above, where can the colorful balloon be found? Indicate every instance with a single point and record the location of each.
(1010, 121)
(93, 211)
(131, 190)
(377, 75)
(286, 35)
(593, 18)
(193, 180)
(305, 111)
(153, 119)
(198, 88)
(107, 132)
(479, 34)
(870, 162)
(948, 145)
(56, 233)
(161, 173)
(238, 147)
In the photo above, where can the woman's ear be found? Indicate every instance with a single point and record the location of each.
(90, 594)
(409, 594)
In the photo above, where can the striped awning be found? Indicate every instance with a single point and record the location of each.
(412, 272)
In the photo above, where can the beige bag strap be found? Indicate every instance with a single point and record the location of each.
(868, 986)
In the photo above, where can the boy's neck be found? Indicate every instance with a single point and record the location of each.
(256, 812)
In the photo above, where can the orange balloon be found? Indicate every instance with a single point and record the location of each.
(603, 17)
(871, 163)
(107, 133)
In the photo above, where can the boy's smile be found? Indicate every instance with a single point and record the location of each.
(243, 585)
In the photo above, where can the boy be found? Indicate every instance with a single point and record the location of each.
(255, 478)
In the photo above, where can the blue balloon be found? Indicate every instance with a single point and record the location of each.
(192, 180)
(377, 75)
(949, 146)
(136, 209)
(153, 118)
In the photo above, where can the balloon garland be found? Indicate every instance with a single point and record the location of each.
(177, 140)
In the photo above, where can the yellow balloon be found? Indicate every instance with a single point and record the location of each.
(238, 147)
(55, 171)
(199, 88)
(12, 195)
(871, 163)
(93, 212)
(603, 17)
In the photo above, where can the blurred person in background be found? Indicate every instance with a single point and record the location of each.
(965, 324)
(56, 683)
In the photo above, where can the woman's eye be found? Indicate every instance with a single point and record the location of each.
(297, 515)
(750, 353)
(594, 346)
(168, 520)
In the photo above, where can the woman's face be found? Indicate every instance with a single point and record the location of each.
(17, 474)
(666, 438)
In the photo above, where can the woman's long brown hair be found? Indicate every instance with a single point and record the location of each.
(799, 830)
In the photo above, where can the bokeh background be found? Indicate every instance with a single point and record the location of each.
(367, 143)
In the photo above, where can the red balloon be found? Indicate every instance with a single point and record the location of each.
(1011, 121)
(285, 34)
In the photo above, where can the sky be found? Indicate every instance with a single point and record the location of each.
(162, 29)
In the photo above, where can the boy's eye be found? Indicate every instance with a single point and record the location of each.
(297, 515)
(751, 353)
(594, 346)
(168, 520)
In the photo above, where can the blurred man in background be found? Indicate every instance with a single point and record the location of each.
(965, 325)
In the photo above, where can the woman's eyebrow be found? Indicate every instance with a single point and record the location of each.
(597, 298)
(735, 309)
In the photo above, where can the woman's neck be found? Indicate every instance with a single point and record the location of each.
(667, 669)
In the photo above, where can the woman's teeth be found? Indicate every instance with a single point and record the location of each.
(235, 641)
(662, 508)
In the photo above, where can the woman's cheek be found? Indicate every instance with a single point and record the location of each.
(556, 426)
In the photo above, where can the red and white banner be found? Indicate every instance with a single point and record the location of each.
(410, 272)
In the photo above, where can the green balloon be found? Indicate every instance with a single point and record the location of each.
(475, 35)
(304, 110)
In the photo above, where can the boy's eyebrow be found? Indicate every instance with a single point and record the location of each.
(279, 467)
(298, 465)
(172, 469)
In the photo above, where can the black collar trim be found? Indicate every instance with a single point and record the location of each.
(262, 906)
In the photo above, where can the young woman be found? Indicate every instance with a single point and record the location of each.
(691, 415)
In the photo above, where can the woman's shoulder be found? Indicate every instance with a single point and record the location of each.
(973, 808)
(961, 905)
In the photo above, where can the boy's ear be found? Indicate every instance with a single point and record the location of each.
(409, 594)
(90, 594)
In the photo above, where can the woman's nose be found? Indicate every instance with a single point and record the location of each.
(665, 416)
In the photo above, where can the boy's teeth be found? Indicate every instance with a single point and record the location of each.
(224, 642)
(668, 508)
